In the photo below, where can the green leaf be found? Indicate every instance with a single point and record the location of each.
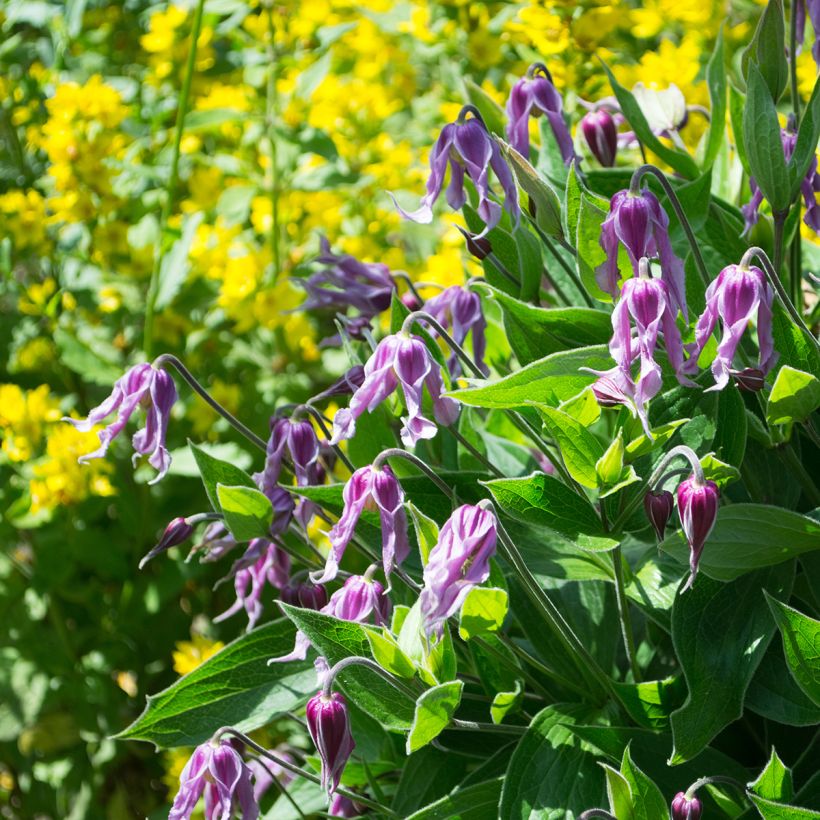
(648, 801)
(795, 396)
(808, 135)
(531, 263)
(761, 136)
(235, 687)
(730, 436)
(718, 471)
(747, 537)
(737, 105)
(642, 445)
(650, 703)
(434, 711)
(427, 776)
(175, 265)
(543, 500)
(579, 448)
(95, 362)
(610, 465)
(535, 332)
(718, 663)
(775, 781)
(550, 380)
(619, 794)
(767, 51)
(387, 653)
(505, 703)
(248, 512)
(216, 471)
(491, 112)
(681, 162)
(791, 343)
(426, 531)
(552, 773)
(590, 253)
(772, 810)
(547, 204)
(477, 802)
(801, 645)
(483, 610)
(337, 639)
(716, 80)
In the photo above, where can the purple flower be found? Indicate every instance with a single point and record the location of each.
(808, 187)
(403, 360)
(376, 489)
(658, 506)
(800, 8)
(217, 542)
(216, 770)
(469, 149)
(645, 301)
(459, 311)
(686, 808)
(601, 135)
(458, 562)
(735, 297)
(535, 94)
(266, 771)
(698, 509)
(342, 806)
(641, 224)
(305, 595)
(142, 385)
(344, 386)
(177, 532)
(329, 726)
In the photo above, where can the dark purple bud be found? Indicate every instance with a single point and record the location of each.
(601, 136)
(686, 808)
(177, 532)
(698, 509)
(329, 726)
(411, 301)
(459, 310)
(659, 506)
(342, 806)
(305, 595)
(478, 246)
(750, 379)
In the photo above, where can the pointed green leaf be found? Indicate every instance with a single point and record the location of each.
(505, 703)
(648, 802)
(387, 653)
(483, 610)
(801, 644)
(808, 135)
(716, 80)
(434, 711)
(775, 781)
(580, 450)
(767, 51)
(426, 531)
(248, 512)
(216, 471)
(795, 396)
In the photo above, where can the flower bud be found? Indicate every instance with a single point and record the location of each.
(697, 508)
(329, 726)
(659, 506)
(685, 808)
(478, 246)
(305, 595)
(342, 806)
(177, 532)
(601, 136)
(750, 379)
(411, 301)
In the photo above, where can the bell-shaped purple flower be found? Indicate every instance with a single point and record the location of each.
(639, 222)
(217, 770)
(142, 385)
(468, 148)
(601, 135)
(686, 808)
(698, 509)
(329, 726)
(399, 360)
(534, 95)
(658, 506)
(305, 594)
(457, 563)
(735, 297)
(377, 489)
(459, 311)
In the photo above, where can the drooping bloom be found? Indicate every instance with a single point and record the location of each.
(457, 563)
(469, 149)
(329, 726)
(800, 8)
(809, 187)
(375, 489)
(399, 360)
(534, 95)
(217, 770)
(664, 109)
(698, 509)
(459, 311)
(344, 282)
(143, 385)
(735, 297)
(177, 532)
(658, 506)
(645, 301)
(601, 135)
(641, 224)
(360, 599)
(686, 808)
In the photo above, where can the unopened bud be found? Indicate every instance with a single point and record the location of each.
(697, 508)
(305, 595)
(686, 808)
(478, 246)
(601, 136)
(659, 507)
(750, 379)
(329, 726)
(177, 532)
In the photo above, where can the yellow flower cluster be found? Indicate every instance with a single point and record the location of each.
(191, 654)
(167, 43)
(23, 219)
(23, 419)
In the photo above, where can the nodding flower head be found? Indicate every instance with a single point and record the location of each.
(459, 311)
(601, 135)
(638, 221)
(658, 506)
(177, 532)
(467, 146)
(533, 95)
(738, 295)
(217, 771)
(686, 808)
(399, 360)
(144, 385)
(698, 509)
(457, 563)
(329, 726)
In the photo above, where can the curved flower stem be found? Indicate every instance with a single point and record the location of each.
(623, 613)
(419, 316)
(775, 282)
(281, 787)
(634, 186)
(718, 778)
(498, 728)
(182, 110)
(358, 660)
(401, 275)
(169, 359)
(590, 813)
(320, 421)
(476, 454)
(294, 769)
(573, 275)
(395, 452)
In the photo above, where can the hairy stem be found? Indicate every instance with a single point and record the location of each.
(623, 613)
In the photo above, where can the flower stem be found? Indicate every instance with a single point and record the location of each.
(358, 660)
(173, 177)
(419, 316)
(498, 728)
(320, 421)
(395, 452)
(169, 359)
(271, 105)
(623, 613)
(476, 454)
(793, 61)
(573, 275)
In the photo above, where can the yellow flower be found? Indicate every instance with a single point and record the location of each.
(540, 27)
(23, 218)
(37, 297)
(188, 655)
(806, 73)
(34, 354)
(23, 416)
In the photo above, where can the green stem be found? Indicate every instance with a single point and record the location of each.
(779, 228)
(182, 110)
(623, 613)
(476, 454)
(793, 61)
(271, 108)
(573, 275)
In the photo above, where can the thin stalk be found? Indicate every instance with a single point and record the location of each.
(357, 660)
(517, 670)
(169, 359)
(793, 61)
(498, 728)
(526, 657)
(634, 186)
(623, 613)
(282, 788)
(796, 265)
(476, 454)
(502, 269)
(395, 452)
(573, 275)
(271, 106)
(173, 177)
(779, 230)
